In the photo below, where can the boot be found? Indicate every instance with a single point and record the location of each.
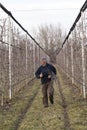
(45, 102)
(51, 99)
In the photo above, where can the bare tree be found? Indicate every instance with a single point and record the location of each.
(51, 38)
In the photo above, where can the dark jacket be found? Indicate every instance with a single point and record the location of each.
(45, 70)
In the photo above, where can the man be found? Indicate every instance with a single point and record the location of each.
(46, 72)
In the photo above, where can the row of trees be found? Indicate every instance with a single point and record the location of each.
(19, 58)
(51, 38)
(73, 57)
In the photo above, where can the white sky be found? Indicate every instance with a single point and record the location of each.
(33, 13)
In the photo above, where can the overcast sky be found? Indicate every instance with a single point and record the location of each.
(33, 13)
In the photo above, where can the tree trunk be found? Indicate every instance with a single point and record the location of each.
(53, 58)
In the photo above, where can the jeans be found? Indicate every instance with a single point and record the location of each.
(47, 90)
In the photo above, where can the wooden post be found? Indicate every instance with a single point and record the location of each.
(39, 56)
(62, 58)
(26, 60)
(26, 57)
(34, 58)
(72, 62)
(1, 84)
(66, 60)
(10, 41)
(83, 58)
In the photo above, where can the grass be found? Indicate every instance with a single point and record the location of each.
(9, 114)
(40, 118)
(77, 107)
(36, 117)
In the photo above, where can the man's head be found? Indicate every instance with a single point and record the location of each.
(44, 61)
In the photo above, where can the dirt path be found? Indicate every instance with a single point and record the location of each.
(67, 125)
(63, 115)
(13, 113)
(69, 112)
(40, 118)
(74, 107)
(22, 116)
(55, 117)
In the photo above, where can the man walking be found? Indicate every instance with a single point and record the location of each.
(46, 72)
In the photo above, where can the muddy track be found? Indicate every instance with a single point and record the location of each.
(23, 113)
(67, 125)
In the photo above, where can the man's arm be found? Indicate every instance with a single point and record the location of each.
(53, 69)
(38, 73)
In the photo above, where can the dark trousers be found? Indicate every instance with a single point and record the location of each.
(47, 90)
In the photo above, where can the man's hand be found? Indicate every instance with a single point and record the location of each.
(49, 76)
(41, 75)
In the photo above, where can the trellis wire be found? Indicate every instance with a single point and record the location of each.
(19, 58)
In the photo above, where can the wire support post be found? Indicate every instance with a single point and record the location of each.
(10, 49)
(83, 58)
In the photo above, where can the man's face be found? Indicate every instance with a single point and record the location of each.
(43, 62)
